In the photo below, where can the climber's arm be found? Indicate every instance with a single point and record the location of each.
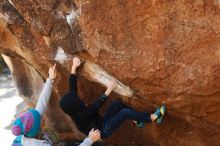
(93, 108)
(46, 91)
(112, 84)
(101, 100)
(73, 78)
(86, 142)
(94, 135)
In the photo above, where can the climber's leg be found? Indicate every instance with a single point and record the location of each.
(158, 115)
(113, 109)
(126, 113)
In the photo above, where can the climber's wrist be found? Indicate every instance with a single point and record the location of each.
(49, 80)
(108, 91)
(73, 70)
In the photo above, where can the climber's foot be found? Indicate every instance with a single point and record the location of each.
(138, 124)
(159, 113)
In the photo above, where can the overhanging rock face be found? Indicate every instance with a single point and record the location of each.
(160, 52)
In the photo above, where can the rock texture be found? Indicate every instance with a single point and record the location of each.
(160, 51)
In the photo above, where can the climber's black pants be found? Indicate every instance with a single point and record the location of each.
(116, 114)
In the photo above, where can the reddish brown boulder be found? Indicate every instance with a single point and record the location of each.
(160, 52)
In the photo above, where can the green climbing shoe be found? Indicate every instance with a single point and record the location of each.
(138, 124)
(160, 112)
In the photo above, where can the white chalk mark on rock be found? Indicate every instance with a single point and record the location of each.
(72, 16)
(96, 73)
(10, 2)
(61, 56)
(217, 3)
(4, 18)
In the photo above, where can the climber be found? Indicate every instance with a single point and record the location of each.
(87, 117)
(28, 123)
(94, 135)
(91, 140)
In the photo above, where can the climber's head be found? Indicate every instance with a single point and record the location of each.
(70, 103)
(25, 122)
(17, 127)
(17, 130)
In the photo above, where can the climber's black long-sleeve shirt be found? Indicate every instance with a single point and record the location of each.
(85, 117)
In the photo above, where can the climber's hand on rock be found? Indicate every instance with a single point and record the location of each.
(52, 72)
(112, 85)
(76, 62)
(94, 135)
